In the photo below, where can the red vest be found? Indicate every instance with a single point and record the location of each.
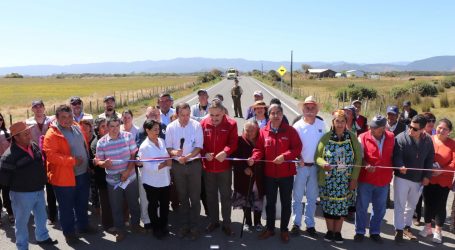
(381, 176)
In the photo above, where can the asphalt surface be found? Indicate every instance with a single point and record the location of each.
(217, 240)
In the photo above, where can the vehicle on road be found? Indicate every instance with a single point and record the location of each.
(232, 73)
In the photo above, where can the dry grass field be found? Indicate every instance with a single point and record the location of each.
(16, 95)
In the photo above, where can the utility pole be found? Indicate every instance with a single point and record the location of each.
(291, 68)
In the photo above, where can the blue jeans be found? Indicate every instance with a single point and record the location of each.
(305, 182)
(367, 193)
(23, 203)
(73, 204)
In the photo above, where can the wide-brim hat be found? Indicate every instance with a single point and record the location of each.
(309, 100)
(18, 128)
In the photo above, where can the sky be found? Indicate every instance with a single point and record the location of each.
(63, 32)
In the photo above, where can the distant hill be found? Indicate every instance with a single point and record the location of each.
(198, 64)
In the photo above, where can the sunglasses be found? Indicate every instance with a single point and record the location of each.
(415, 129)
(76, 103)
(431, 120)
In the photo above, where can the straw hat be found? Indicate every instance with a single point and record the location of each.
(18, 128)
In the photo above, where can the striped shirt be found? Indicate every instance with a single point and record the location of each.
(116, 149)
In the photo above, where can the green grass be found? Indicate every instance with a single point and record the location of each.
(325, 90)
(16, 95)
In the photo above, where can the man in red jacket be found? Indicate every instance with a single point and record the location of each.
(377, 145)
(278, 143)
(220, 141)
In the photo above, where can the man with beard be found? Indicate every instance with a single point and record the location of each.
(109, 108)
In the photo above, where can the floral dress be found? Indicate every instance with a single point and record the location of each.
(336, 197)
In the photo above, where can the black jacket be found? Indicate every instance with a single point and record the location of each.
(21, 172)
(407, 153)
(412, 113)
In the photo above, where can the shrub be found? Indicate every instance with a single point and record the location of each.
(354, 92)
(447, 84)
(441, 88)
(425, 89)
(427, 105)
(397, 92)
(14, 75)
(444, 101)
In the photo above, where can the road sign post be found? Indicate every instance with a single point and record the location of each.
(281, 70)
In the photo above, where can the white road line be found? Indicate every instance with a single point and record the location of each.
(282, 102)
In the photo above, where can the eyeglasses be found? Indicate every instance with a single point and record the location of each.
(415, 129)
(76, 103)
(431, 120)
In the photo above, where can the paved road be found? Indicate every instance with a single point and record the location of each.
(217, 240)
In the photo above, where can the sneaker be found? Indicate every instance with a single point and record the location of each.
(338, 238)
(328, 236)
(399, 236)
(358, 237)
(376, 238)
(295, 230)
(408, 234)
(259, 228)
(47, 241)
(437, 238)
(247, 228)
(425, 231)
(311, 231)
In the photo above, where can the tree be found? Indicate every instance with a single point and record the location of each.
(306, 67)
(216, 72)
(14, 75)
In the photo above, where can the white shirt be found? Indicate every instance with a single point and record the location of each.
(149, 171)
(310, 134)
(166, 118)
(192, 133)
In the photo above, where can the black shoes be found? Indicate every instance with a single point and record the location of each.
(48, 241)
(328, 236)
(358, 237)
(311, 231)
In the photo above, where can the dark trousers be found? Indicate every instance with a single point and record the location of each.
(418, 210)
(271, 189)
(237, 106)
(249, 220)
(106, 212)
(158, 197)
(73, 204)
(435, 199)
(219, 183)
(51, 203)
(6, 203)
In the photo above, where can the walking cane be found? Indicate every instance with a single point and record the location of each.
(251, 205)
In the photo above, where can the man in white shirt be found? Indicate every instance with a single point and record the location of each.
(310, 131)
(200, 110)
(184, 140)
(166, 110)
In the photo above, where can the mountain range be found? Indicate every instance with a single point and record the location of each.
(199, 64)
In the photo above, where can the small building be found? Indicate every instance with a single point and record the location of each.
(355, 73)
(321, 73)
(340, 75)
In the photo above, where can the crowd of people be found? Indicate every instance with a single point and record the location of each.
(60, 167)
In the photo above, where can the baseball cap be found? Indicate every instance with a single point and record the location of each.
(258, 93)
(351, 108)
(378, 121)
(37, 102)
(356, 101)
(406, 103)
(75, 100)
(109, 97)
(392, 109)
(201, 91)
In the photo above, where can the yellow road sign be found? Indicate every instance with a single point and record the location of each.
(282, 70)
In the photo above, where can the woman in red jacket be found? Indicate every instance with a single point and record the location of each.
(278, 143)
(436, 193)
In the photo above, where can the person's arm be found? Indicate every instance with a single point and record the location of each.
(54, 154)
(295, 148)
